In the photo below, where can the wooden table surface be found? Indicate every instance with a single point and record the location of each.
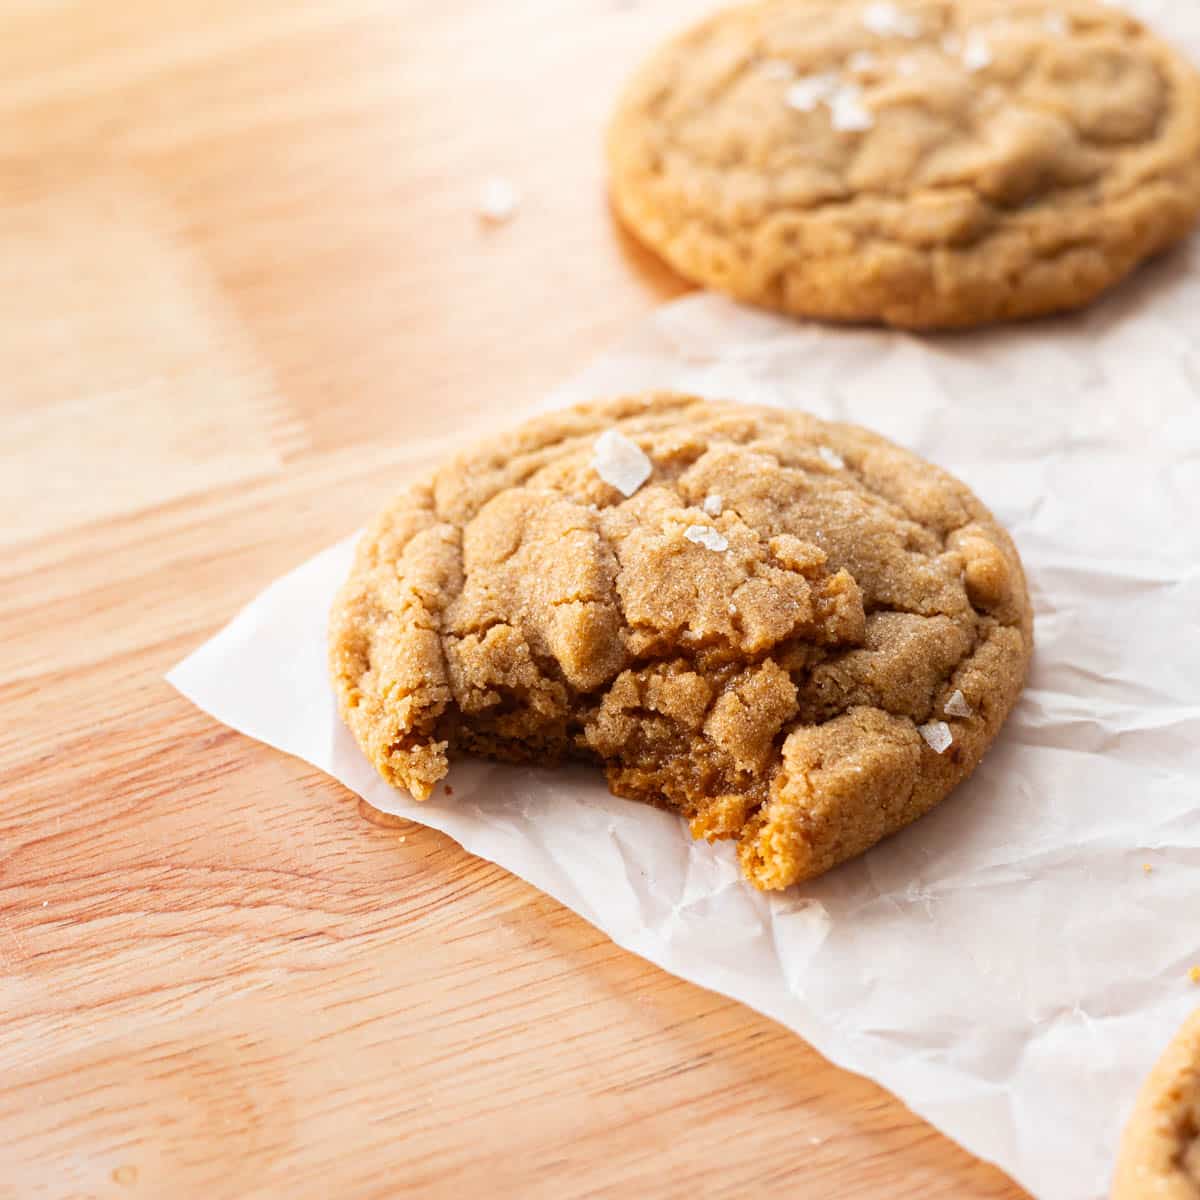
(243, 295)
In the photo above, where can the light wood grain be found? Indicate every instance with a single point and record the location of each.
(243, 295)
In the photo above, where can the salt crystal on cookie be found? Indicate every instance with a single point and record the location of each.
(831, 457)
(848, 112)
(806, 93)
(620, 462)
(714, 504)
(937, 736)
(888, 21)
(957, 706)
(977, 54)
(705, 535)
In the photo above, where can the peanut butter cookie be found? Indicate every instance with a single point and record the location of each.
(924, 163)
(792, 632)
(1160, 1153)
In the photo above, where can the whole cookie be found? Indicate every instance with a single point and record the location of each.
(792, 632)
(1160, 1152)
(925, 163)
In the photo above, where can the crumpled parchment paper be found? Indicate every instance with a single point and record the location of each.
(1007, 966)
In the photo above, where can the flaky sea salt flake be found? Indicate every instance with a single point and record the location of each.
(847, 111)
(977, 53)
(705, 535)
(957, 706)
(937, 736)
(498, 200)
(807, 92)
(714, 504)
(620, 462)
(831, 457)
(888, 20)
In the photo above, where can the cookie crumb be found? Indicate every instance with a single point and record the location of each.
(937, 736)
(705, 535)
(1194, 974)
(498, 200)
(807, 92)
(888, 21)
(977, 53)
(620, 462)
(847, 110)
(714, 504)
(403, 838)
(1149, 870)
(957, 706)
(449, 790)
(831, 457)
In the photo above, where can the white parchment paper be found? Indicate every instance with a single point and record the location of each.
(1006, 966)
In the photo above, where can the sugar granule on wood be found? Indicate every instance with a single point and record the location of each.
(498, 200)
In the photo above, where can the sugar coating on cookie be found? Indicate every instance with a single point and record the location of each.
(734, 631)
(924, 163)
(1160, 1149)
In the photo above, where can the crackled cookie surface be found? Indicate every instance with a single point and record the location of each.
(792, 632)
(926, 163)
(1160, 1153)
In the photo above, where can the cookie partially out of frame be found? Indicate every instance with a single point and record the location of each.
(923, 163)
(790, 631)
(1160, 1152)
